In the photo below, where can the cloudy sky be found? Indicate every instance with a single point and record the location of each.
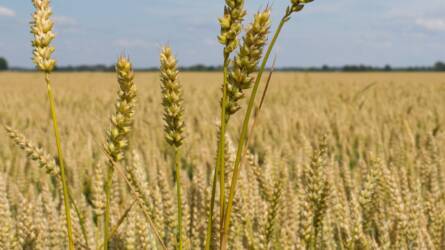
(397, 32)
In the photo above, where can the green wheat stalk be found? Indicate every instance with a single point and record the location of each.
(296, 5)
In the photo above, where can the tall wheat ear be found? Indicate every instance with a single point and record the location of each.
(121, 126)
(231, 26)
(295, 6)
(245, 63)
(41, 28)
(172, 102)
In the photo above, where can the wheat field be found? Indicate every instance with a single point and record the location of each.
(337, 161)
(239, 159)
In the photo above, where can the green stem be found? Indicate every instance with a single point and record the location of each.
(108, 183)
(212, 206)
(81, 218)
(97, 232)
(142, 201)
(61, 162)
(119, 222)
(245, 127)
(178, 191)
(220, 162)
(221, 147)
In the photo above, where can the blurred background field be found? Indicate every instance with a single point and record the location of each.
(392, 118)
(297, 103)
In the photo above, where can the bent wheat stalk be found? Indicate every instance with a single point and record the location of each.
(46, 162)
(138, 194)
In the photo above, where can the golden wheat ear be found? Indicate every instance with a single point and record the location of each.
(246, 61)
(294, 7)
(231, 26)
(43, 159)
(171, 91)
(41, 28)
(118, 133)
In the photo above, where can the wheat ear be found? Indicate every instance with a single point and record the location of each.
(231, 25)
(46, 162)
(121, 125)
(296, 5)
(41, 28)
(246, 61)
(174, 122)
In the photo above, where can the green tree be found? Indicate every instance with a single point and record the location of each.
(3, 64)
(439, 66)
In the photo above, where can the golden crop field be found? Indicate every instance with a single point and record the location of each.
(336, 161)
(242, 158)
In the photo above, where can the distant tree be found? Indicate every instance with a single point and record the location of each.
(3, 64)
(439, 66)
(357, 68)
(387, 68)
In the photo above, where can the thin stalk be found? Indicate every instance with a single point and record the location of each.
(119, 222)
(212, 206)
(245, 129)
(257, 112)
(81, 219)
(108, 183)
(220, 162)
(61, 161)
(221, 151)
(140, 201)
(178, 191)
(97, 235)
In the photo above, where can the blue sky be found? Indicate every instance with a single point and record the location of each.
(397, 32)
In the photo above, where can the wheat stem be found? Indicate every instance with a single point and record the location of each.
(61, 162)
(121, 125)
(119, 222)
(222, 132)
(212, 206)
(245, 127)
(178, 190)
(220, 161)
(80, 217)
(107, 187)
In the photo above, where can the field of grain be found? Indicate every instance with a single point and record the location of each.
(337, 161)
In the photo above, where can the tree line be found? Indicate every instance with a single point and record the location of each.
(438, 66)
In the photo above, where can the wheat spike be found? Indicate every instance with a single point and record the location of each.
(171, 99)
(245, 62)
(41, 28)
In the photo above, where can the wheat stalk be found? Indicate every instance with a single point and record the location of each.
(41, 28)
(231, 24)
(295, 6)
(117, 135)
(173, 118)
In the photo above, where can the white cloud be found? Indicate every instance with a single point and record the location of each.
(431, 24)
(132, 43)
(6, 12)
